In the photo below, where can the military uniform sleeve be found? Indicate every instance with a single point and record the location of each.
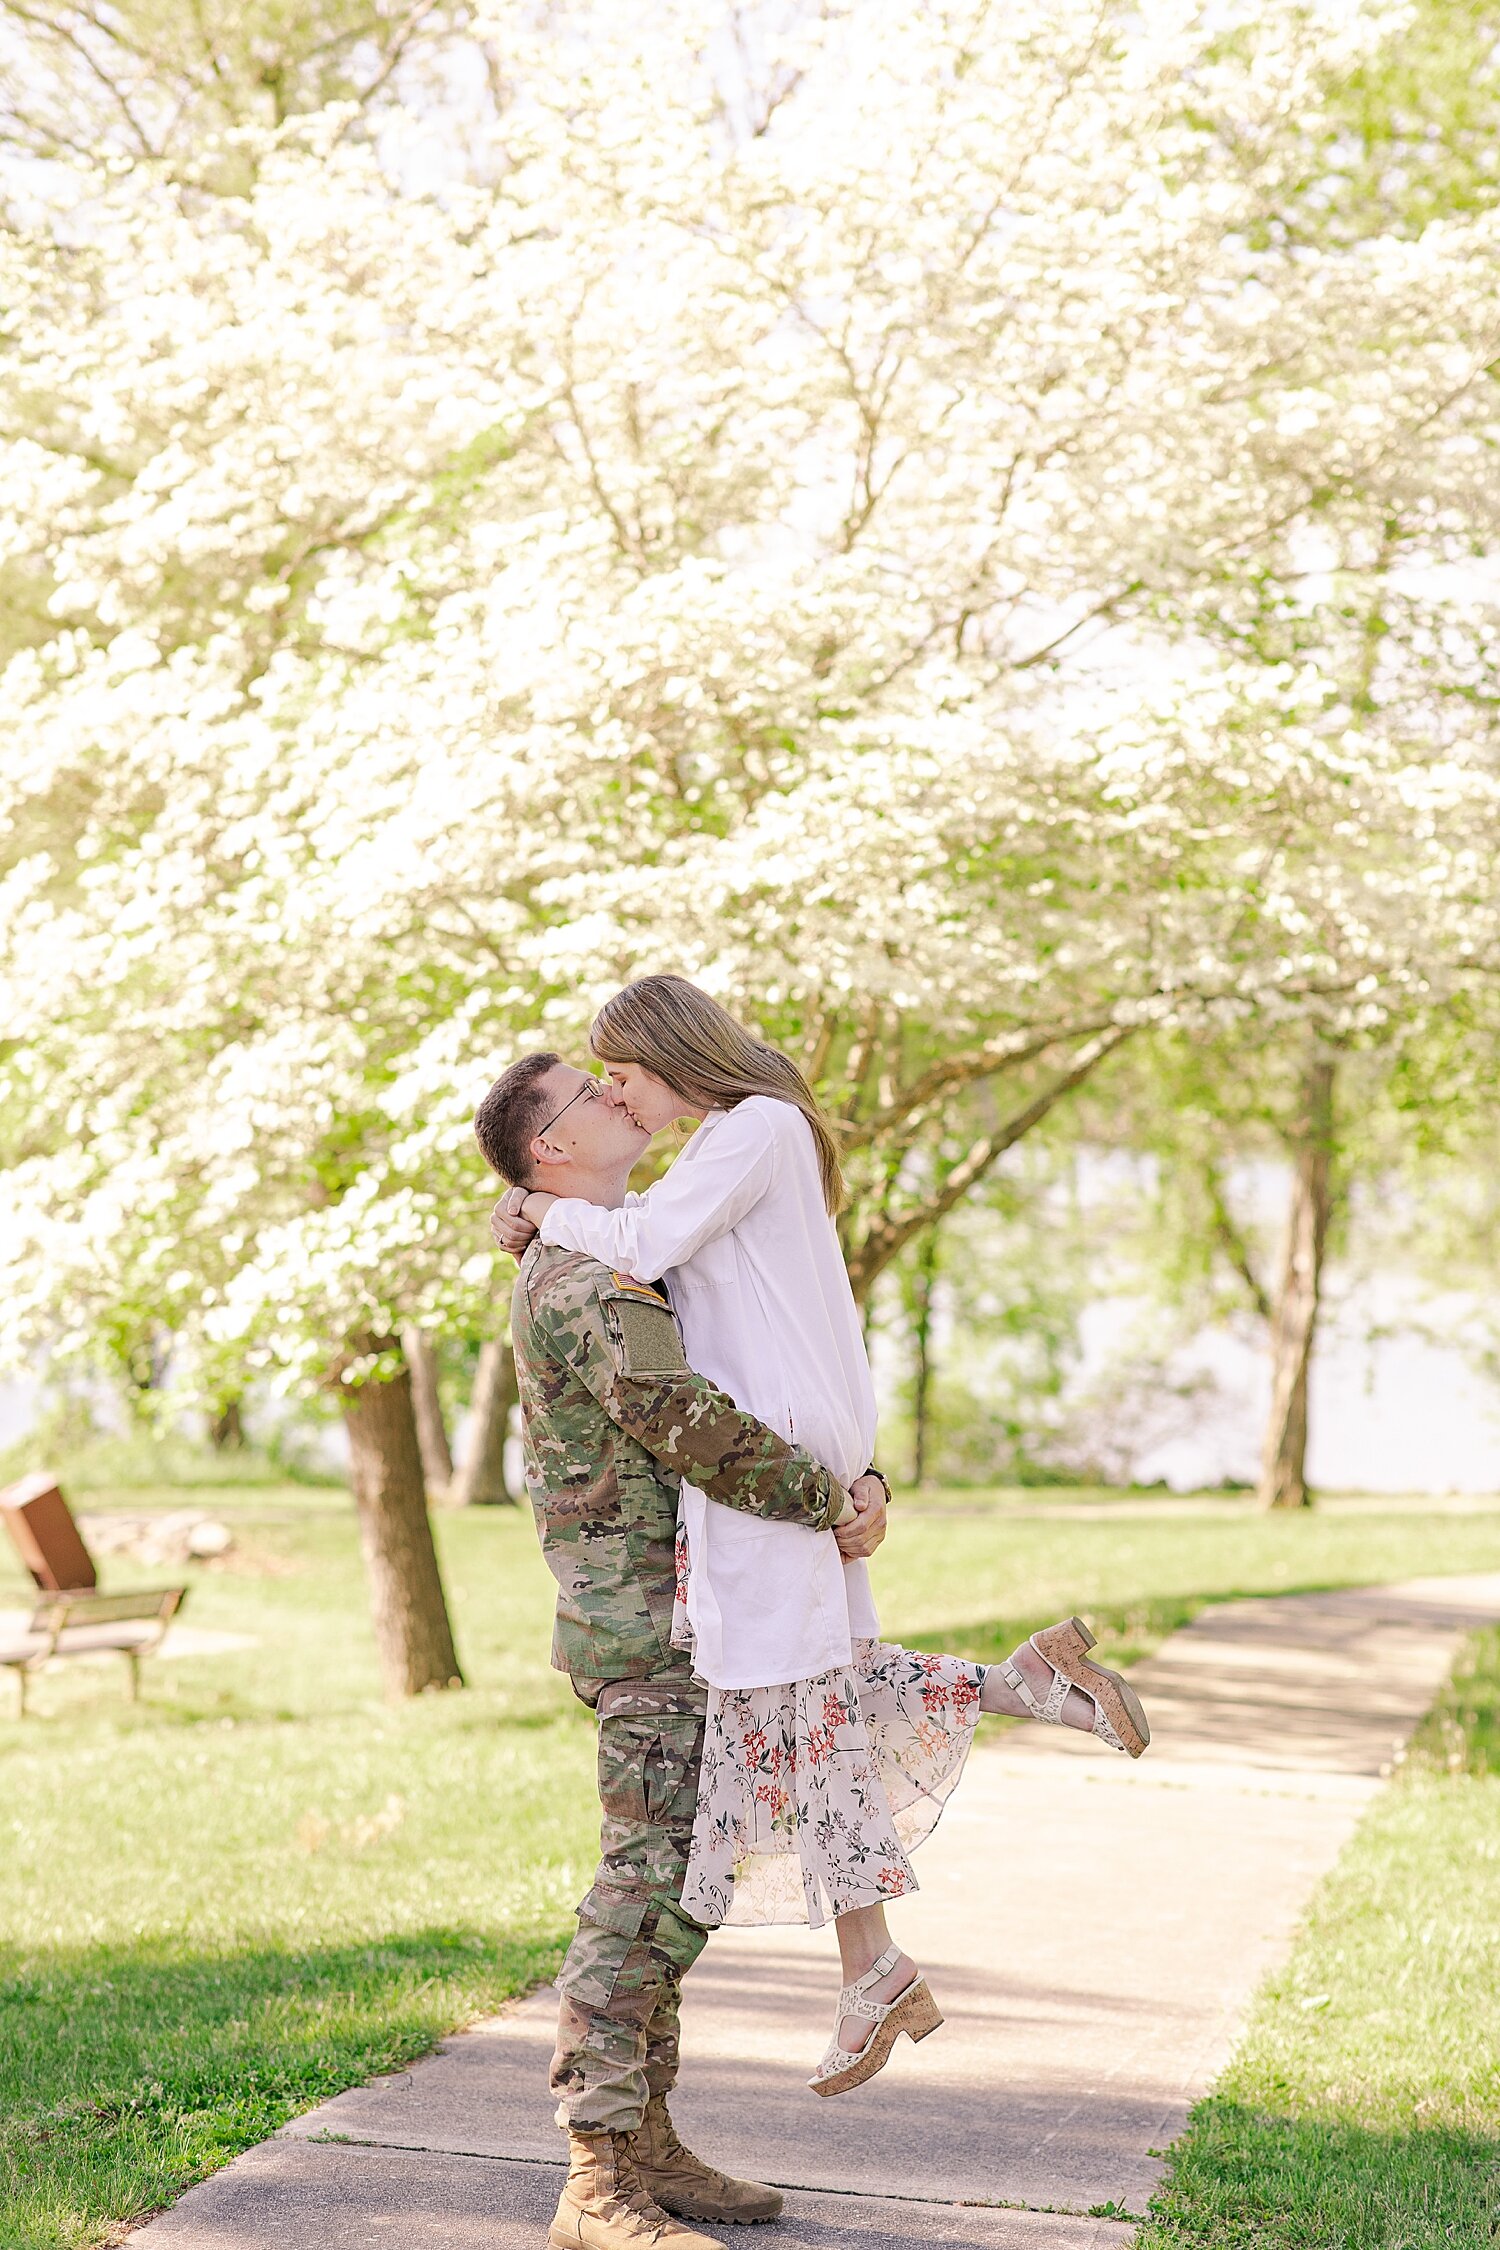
(623, 1344)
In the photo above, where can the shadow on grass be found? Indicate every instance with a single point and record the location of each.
(126, 2074)
(1242, 2179)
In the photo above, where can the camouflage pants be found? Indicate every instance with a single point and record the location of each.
(617, 2032)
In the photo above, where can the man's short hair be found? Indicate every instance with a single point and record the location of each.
(506, 1121)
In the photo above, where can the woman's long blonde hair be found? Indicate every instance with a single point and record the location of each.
(697, 1049)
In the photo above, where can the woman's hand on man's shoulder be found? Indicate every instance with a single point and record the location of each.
(510, 1229)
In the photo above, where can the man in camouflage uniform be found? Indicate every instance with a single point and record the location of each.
(614, 1418)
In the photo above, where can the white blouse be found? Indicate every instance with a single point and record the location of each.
(740, 1233)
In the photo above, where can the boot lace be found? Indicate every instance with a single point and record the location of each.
(668, 2147)
(629, 2186)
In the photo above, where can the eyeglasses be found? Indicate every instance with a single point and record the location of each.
(589, 1089)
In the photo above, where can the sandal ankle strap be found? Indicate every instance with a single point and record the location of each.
(1050, 1712)
(854, 1994)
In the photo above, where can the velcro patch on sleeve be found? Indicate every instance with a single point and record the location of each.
(648, 1340)
(628, 1286)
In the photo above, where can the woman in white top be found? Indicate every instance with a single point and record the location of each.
(828, 1754)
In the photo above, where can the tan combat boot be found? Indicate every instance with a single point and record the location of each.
(604, 2205)
(683, 2183)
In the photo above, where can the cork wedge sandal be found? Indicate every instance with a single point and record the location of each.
(913, 2011)
(1118, 1717)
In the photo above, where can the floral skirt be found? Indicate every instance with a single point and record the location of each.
(813, 1795)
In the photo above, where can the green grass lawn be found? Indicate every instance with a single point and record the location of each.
(262, 1884)
(1362, 2111)
(974, 1572)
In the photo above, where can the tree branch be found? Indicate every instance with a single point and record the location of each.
(1231, 1241)
(1106, 608)
(888, 1235)
(956, 1071)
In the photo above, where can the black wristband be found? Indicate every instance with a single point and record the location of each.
(883, 1480)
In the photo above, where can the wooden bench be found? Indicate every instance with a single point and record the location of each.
(73, 1619)
(89, 1624)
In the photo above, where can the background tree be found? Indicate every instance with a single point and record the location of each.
(920, 1307)
(481, 1479)
(413, 1637)
(978, 1330)
(799, 518)
(1371, 602)
(159, 80)
(1219, 1117)
(427, 1406)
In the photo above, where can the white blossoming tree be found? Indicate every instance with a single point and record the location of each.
(770, 493)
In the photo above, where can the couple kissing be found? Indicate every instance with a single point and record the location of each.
(699, 1430)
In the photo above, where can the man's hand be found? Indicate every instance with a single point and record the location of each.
(510, 1228)
(859, 1538)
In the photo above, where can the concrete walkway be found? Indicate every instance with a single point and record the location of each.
(1092, 1929)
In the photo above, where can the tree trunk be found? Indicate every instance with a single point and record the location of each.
(412, 1634)
(480, 1480)
(226, 1429)
(1283, 1475)
(432, 1437)
(923, 1282)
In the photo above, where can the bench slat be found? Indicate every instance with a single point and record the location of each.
(65, 1611)
(79, 1640)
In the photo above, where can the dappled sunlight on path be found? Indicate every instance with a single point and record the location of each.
(1093, 1931)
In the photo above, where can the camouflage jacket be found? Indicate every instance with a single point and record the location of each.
(614, 1419)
